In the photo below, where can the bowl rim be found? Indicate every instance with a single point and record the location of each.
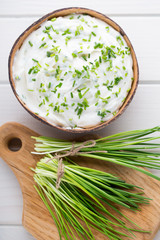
(62, 12)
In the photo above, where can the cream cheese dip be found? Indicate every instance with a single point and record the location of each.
(75, 71)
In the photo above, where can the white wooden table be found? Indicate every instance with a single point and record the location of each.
(140, 19)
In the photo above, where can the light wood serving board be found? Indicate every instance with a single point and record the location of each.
(36, 218)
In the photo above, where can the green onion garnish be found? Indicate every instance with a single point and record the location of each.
(93, 34)
(56, 58)
(74, 55)
(42, 45)
(30, 43)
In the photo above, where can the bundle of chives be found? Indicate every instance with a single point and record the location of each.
(82, 196)
(129, 149)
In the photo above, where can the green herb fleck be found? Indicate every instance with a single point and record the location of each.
(79, 93)
(30, 43)
(97, 94)
(56, 58)
(66, 32)
(35, 60)
(42, 45)
(93, 34)
(98, 45)
(102, 113)
(78, 73)
(107, 28)
(71, 17)
(84, 57)
(77, 32)
(46, 98)
(50, 105)
(53, 19)
(119, 39)
(74, 55)
(97, 64)
(33, 70)
(117, 80)
(74, 83)
(50, 54)
(67, 39)
(85, 92)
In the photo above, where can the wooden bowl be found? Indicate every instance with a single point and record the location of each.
(63, 12)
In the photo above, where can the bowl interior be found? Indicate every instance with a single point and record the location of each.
(64, 12)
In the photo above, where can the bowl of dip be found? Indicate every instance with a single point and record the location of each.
(74, 69)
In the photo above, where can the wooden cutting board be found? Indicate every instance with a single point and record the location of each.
(36, 218)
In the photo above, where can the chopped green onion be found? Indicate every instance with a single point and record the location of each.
(53, 19)
(42, 45)
(56, 58)
(46, 98)
(98, 45)
(71, 95)
(117, 80)
(49, 85)
(30, 43)
(84, 57)
(97, 94)
(74, 55)
(66, 32)
(93, 34)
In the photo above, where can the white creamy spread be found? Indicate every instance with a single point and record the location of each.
(75, 71)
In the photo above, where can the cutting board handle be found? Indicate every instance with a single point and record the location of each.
(16, 145)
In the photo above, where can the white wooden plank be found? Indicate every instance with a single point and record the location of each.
(14, 233)
(142, 31)
(157, 236)
(10, 198)
(144, 35)
(39, 7)
(11, 28)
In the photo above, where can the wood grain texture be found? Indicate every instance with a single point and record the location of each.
(36, 218)
(37, 7)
